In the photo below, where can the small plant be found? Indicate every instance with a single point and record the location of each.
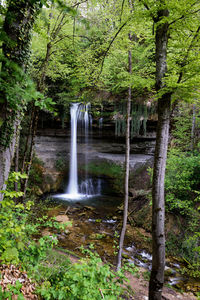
(60, 164)
(12, 290)
(87, 279)
(116, 242)
(146, 275)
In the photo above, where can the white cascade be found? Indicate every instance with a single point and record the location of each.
(89, 187)
(73, 174)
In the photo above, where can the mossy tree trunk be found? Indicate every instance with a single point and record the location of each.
(17, 27)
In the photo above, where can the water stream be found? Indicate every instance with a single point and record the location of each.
(88, 187)
(72, 189)
(87, 192)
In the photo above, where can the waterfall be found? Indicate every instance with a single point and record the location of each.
(88, 187)
(73, 174)
(100, 123)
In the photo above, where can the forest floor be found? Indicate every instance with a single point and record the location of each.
(89, 227)
(139, 286)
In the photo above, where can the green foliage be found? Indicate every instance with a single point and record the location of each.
(146, 275)
(111, 170)
(36, 173)
(16, 229)
(87, 279)
(108, 169)
(12, 229)
(182, 181)
(60, 164)
(182, 127)
(12, 290)
(182, 185)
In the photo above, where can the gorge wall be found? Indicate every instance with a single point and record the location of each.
(104, 148)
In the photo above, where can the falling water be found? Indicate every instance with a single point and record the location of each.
(100, 123)
(86, 119)
(73, 177)
(89, 187)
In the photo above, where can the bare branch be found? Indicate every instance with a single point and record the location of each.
(58, 28)
(79, 3)
(122, 8)
(101, 293)
(56, 21)
(70, 37)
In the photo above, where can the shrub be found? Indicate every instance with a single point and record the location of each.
(87, 279)
(182, 182)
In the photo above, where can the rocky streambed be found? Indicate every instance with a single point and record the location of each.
(99, 227)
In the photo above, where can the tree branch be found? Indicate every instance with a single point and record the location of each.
(79, 3)
(71, 37)
(122, 8)
(145, 5)
(110, 44)
(184, 63)
(184, 16)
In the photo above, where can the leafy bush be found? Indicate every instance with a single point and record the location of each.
(17, 229)
(106, 169)
(60, 164)
(111, 170)
(87, 279)
(191, 254)
(12, 290)
(182, 185)
(182, 182)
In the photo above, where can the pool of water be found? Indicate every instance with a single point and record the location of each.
(98, 201)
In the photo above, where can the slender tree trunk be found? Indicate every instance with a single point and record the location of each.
(158, 207)
(28, 139)
(17, 162)
(127, 155)
(30, 158)
(193, 127)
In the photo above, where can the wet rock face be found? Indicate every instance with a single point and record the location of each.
(53, 149)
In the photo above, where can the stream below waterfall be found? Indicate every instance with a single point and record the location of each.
(96, 221)
(96, 215)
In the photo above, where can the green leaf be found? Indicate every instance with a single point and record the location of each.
(10, 255)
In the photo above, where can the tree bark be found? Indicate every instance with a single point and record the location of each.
(17, 27)
(26, 148)
(30, 158)
(158, 201)
(193, 127)
(17, 161)
(127, 156)
(6, 156)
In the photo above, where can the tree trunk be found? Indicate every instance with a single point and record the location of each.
(158, 201)
(26, 148)
(17, 27)
(17, 161)
(193, 127)
(6, 156)
(30, 158)
(127, 155)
